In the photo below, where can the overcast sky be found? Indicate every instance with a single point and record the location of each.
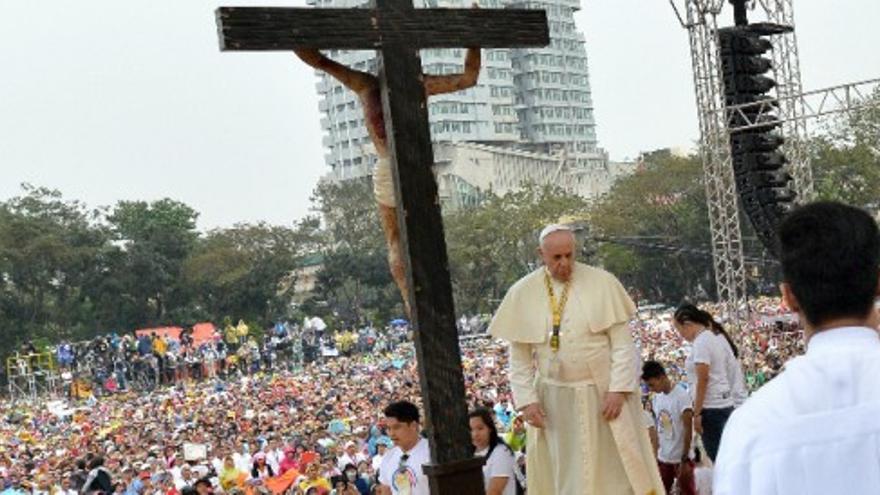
(108, 100)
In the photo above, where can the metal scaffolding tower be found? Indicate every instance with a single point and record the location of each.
(700, 20)
(32, 377)
(787, 74)
(791, 108)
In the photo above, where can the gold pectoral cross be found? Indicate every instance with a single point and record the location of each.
(554, 337)
(556, 309)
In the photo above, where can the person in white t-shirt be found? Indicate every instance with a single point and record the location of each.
(349, 455)
(710, 371)
(243, 461)
(381, 449)
(499, 477)
(401, 470)
(186, 477)
(274, 455)
(674, 418)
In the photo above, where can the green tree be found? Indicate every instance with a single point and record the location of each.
(354, 283)
(493, 244)
(156, 239)
(356, 286)
(350, 214)
(846, 158)
(50, 252)
(246, 271)
(645, 217)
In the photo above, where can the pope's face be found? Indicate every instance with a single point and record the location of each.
(557, 252)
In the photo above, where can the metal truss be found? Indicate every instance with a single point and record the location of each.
(31, 377)
(817, 103)
(787, 74)
(790, 109)
(700, 19)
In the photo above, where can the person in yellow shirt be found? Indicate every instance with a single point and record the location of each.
(160, 346)
(242, 330)
(314, 479)
(516, 437)
(230, 336)
(230, 476)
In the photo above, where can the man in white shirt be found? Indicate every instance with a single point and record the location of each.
(401, 470)
(349, 455)
(381, 449)
(815, 428)
(274, 455)
(243, 460)
(185, 477)
(674, 422)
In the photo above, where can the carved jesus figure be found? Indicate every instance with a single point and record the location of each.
(366, 86)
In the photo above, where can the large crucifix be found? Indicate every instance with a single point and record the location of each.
(397, 31)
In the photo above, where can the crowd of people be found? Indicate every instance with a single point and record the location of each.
(147, 359)
(237, 430)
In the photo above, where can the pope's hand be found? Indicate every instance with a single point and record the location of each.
(613, 405)
(534, 415)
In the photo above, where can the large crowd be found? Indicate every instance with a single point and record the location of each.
(142, 361)
(299, 412)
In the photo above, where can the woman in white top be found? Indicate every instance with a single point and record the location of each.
(713, 372)
(499, 476)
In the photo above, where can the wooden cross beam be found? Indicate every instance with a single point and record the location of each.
(397, 31)
(279, 28)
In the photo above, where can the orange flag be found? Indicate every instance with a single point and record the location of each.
(279, 484)
(307, 458)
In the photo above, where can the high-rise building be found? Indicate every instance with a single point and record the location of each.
(537, 100)
(553, 98)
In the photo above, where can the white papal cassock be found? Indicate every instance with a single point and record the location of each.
(814, 429)
(578, 451)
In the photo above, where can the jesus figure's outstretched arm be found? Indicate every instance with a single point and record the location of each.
(352, 79)
(435, 85)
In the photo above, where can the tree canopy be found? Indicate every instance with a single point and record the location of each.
(68, 270)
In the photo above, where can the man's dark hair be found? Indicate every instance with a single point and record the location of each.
(652, 369)
(403, 411)
(203, 481)
(97, 461)
(830, 255)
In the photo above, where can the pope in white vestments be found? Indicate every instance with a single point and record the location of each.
(578, 450)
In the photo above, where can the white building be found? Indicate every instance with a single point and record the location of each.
(466, 171)
(533, 107)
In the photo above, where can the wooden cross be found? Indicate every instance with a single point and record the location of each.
(397, 31)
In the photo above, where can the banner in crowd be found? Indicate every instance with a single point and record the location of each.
(202, 332)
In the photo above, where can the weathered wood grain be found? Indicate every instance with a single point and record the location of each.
(427, 268)
(278, 28)
(398, 31)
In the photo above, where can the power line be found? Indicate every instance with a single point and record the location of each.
(637, 242)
